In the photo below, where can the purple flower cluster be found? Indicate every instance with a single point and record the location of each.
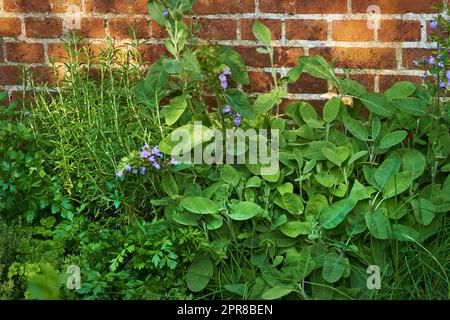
(165, 13)
(435, 64)
(147, 154)
(237, 117)
(223, 79)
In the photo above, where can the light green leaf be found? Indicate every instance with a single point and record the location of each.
(351, 87)
(401, 89)
(293, 203)
(360, 192)
(264, 103)
(389, 167)
(276, 293)
(318, 67)
(397, 184)
(333, 267)
(169, 184)
(186, 218)
(285, 188)
(331, 109)
(293, 229)
(214, 221)
(337, 156)
(234, 60)
(199, 205)
(245, 210)
(392, 139)
(230, 175)
(377, 104)
(357, 156)
(378, 224)
(199, 274)
(424, 211)
(356, 128)
(412, 106)
(253, 182)
(174, 111)
(336, 213)
(413, 161)
(327, 180)
(262, 33)
(308, 112)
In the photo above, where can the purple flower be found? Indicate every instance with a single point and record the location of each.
(237, 120)
(227, 109)
(442, 84)
(434, 24)
(143, 170)
(441, 64)
(174, 162)
(145, 154)
(156, 152)
(165, 13)
(416, 63)
(447, 74)
(424, 76)
(227, 72)
(223, 78)
(432, 60)
(135, 171)
(156, 165)
(119, 174)
(224, 85)
(145, 147)
(128, 168)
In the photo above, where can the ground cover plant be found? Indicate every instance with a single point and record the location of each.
(90, 177)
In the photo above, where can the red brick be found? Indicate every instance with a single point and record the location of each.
(25, 52)
(57, 51)
(120, 28)
(117, 6)
(252, 58)
(152, 52)
(387, 81)
(306, 29)
(303, 6)
(259, 82)
(43, 27)
(411, 55)
(224, 6)
(10, 27)
(373, 58)
(93, 28)
(247, 28)
(351, 30)
(218, 29)
(158, 31)
(287, 57)
(367, 80)
(308, 84)
(10, 75)
(398, 30)
(396, 6)
(42, 75)
(54, 6)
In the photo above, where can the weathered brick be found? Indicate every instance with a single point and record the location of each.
(224, 6)
(157, 31)
(57, 51)
(25, 52)
(151, 52)
(10, 75)
(387, 81)
(252, 58)
(218, 29)
(303, 6)
(398, 30)
(93, 28)
(351, 30)
(117, 6)
(120, 28)
(259, 82)
(396, 6)
(308, 84)
(42, 74)
(272, 24)
(287, 57)
(55, 6)
(358, 58)
(10, 27)
(306, 29)
(43, 27)
(367, 80)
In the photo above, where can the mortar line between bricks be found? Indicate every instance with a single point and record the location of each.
(252, 15)
(349, 6)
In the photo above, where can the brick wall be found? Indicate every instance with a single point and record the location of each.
(337, 29)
